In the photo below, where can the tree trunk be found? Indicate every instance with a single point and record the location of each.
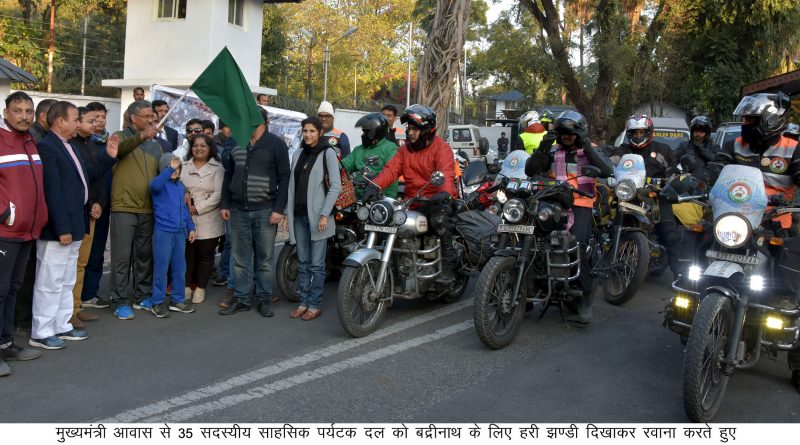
(442, 57)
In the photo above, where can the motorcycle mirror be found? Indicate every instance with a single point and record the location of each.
(591, 171)
(475, 173)
(437, 178)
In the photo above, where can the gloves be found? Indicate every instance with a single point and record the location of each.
(440, 197)
(371, 193)
(778, 201)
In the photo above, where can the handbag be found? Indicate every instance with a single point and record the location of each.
(347, 197)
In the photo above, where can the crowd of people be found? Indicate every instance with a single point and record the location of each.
(167, 204)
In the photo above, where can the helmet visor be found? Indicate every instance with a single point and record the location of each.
(753, 106)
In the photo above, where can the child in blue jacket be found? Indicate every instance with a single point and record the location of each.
(173, 225)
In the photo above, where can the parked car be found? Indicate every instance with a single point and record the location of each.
(727, 133)
(467, 142)
(671, 131)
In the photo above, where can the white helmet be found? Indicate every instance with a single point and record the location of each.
(530, 117)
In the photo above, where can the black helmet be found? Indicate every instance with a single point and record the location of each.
(419, 116)
(374, 127)
(546, 117)
(701, 123)
(769, 110)
(571, 122)
(424, 119)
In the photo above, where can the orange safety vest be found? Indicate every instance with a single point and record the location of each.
(774, 165)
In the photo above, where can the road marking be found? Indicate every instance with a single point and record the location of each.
(228, 401)
(277, 368)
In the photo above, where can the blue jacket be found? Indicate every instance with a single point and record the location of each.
(63, 188)
(171, 213)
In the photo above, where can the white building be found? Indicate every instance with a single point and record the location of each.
(170, 42)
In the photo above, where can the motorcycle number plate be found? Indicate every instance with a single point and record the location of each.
(634, 207)
(741, 259)
(507, 228)
(382, 229)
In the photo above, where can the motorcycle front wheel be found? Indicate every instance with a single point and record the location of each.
(704, 381)
(287, 271)
(633, 260)
(360, 311)
(497, 313)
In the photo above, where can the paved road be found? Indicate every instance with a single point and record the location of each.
(425, 364)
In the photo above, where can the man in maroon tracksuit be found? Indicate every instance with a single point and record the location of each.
(23, 214)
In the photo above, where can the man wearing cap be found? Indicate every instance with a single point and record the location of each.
(334, 137)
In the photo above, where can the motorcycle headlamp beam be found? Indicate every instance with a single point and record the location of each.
(732, 230)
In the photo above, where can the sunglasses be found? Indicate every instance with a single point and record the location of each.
(194, 130)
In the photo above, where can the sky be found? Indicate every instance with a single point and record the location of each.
(496, 8)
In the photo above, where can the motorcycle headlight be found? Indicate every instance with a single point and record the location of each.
(399, 217)
(625, 190)
(732, 230)
(513, 210)
(545, 214)
(380, 213)
(362, 213)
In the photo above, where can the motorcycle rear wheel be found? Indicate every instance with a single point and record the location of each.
(286, 275)
(496, 312)
(704, 381)
(634, 260)
(359, 314)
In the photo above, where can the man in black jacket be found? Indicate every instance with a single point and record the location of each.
(659, 162)
(254, 195)
(699, 149)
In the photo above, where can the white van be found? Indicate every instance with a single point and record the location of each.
(467, 140)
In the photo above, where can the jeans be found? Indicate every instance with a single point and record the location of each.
(94, 268)
(311, 256)
(13, 262)
(226, 260)
(131, 257)
(169, 250)
(252, 246)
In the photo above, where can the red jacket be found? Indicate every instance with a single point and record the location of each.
(416, 168)
(21, 187)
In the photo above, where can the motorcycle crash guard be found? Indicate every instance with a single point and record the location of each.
(361, 257)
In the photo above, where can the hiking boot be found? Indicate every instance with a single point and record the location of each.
(236, 306)
(160, 310)
(181, 307)
(264, 309)
(15, 352)
(227, 300)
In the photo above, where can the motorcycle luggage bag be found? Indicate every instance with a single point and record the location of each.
(789, 265)
(477, 229)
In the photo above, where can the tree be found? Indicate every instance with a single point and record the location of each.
(440, 63)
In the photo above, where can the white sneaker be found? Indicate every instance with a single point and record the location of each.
(187, 294)
(199, 296)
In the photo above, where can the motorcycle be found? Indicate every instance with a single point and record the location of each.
(744, 303)
(538, 269)
(627, 248)
(399, 259)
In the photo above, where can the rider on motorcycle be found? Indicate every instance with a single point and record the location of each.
(699, 148)
(762, 146)
(531, 132)
(659, 162)
(565, 161)
(546, 118)
(423, 154)
(374, 146)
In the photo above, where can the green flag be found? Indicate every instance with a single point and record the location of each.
(223, 88)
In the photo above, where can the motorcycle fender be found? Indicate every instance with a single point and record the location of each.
(361, 257)
(643, 220)
(723, 269)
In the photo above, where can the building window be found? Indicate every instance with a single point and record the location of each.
(235, 12)
(172, 9)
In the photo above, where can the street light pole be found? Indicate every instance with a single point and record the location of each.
(326, 59)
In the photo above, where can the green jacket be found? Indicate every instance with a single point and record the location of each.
(136, 166)
(384, 150)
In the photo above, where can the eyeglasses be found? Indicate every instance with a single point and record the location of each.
(194, 130)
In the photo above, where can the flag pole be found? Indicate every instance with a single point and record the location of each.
(180, 99)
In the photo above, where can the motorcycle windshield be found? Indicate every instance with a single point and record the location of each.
(631, 167)
(740, 189)
(514, 165)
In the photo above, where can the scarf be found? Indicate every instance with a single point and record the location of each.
(585, 183)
